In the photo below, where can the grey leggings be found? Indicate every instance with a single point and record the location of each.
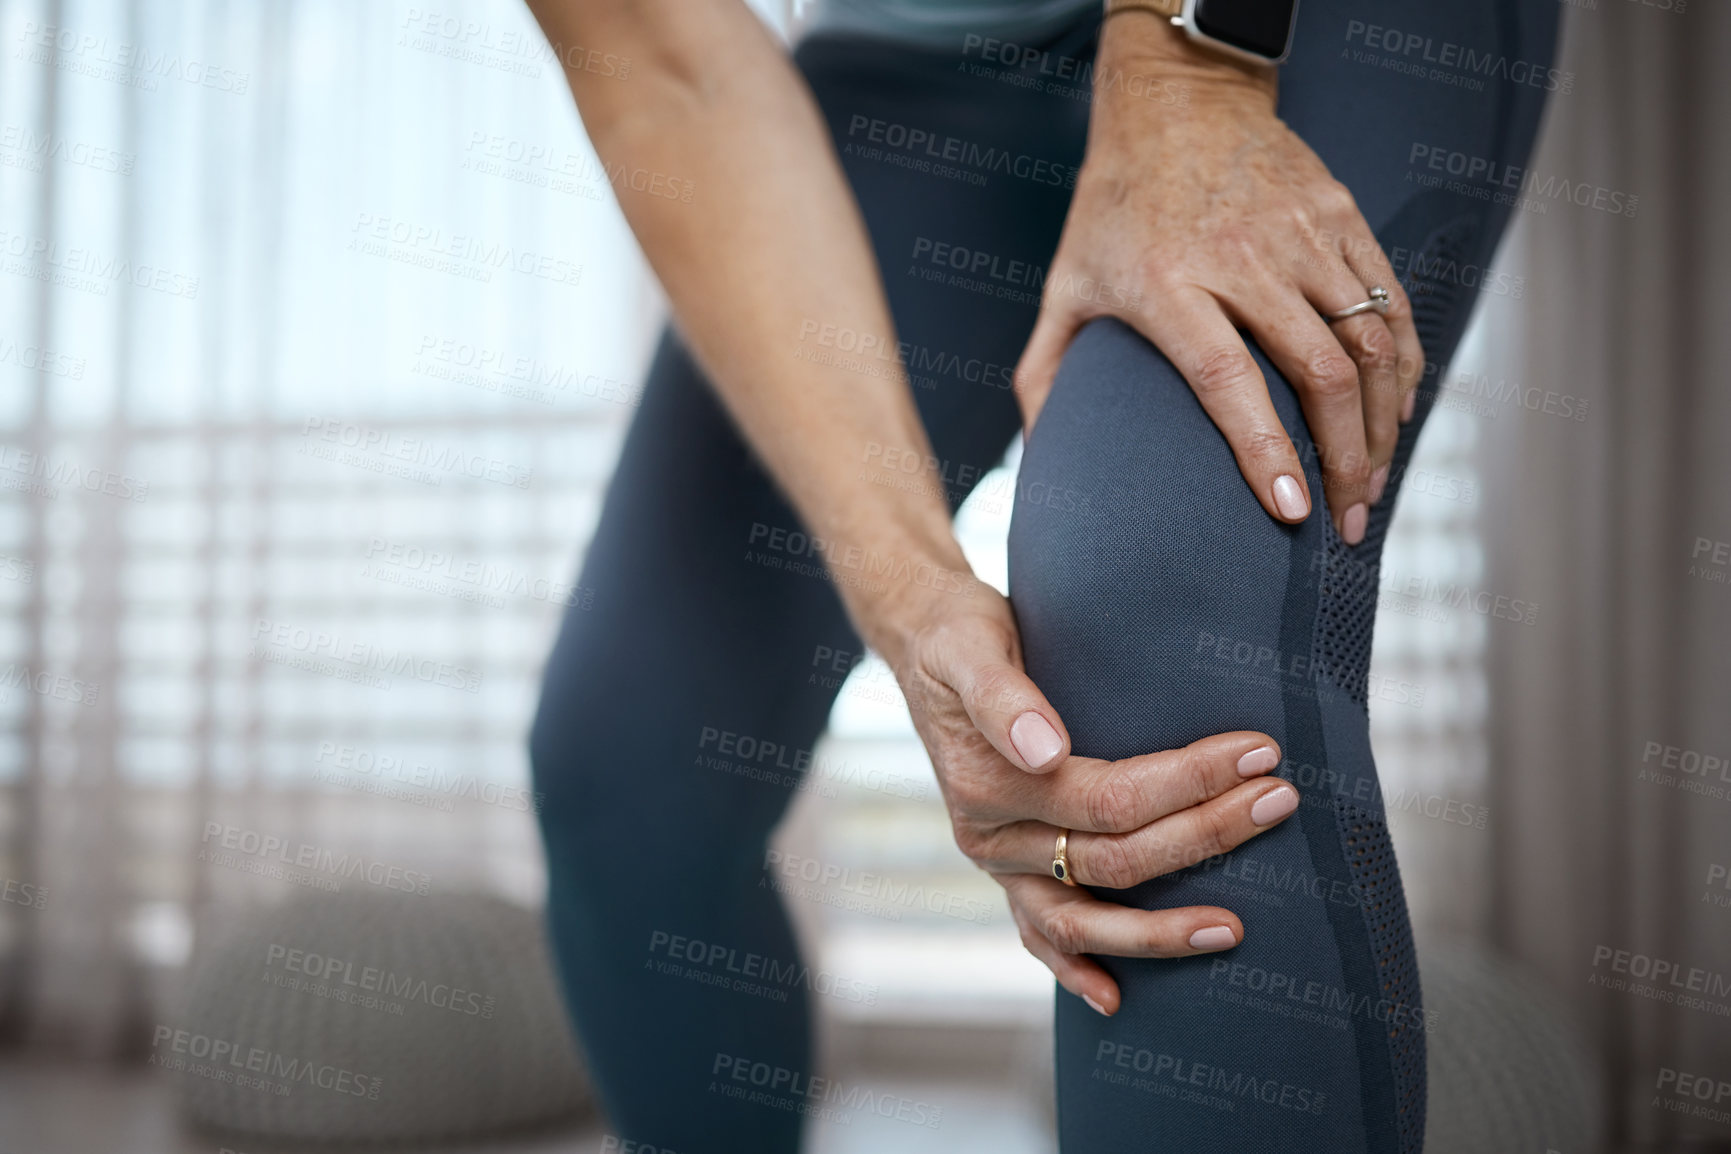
(1158, 604)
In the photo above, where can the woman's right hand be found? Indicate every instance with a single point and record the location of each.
(1004, 764)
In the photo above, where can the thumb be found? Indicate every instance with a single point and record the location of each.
(1035, 372)
(1001, 701)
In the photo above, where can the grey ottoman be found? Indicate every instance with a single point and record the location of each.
(373, 1017)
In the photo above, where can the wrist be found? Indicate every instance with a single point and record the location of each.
(894, 592)
(1140, 42)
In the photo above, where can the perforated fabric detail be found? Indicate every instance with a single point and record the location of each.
(1370, 857)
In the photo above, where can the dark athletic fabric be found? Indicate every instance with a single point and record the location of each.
(1158, 604)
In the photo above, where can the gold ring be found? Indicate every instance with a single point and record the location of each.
(1061, 858)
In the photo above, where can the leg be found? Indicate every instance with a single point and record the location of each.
(679, 710)
(1180, 609)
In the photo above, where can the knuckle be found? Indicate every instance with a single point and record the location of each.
(1222, 369)
(1269, 446)
(1330, 373)
(1063, 927)
(1336, 199)
(1198, 771)
(1215, 831)
(1112, 863)
(1111, 803)
(1376, 347)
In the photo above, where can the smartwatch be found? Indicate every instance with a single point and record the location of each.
(1259, 31)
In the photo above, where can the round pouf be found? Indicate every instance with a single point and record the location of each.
(1508, 1072)
(379, 1017)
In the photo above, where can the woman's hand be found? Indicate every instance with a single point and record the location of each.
(1003, 762)
(1220, 218)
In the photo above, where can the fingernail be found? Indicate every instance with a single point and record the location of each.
(1096, 1006)
(1035, 739)
(1289, 499)
(1352, 525)
(1259, 760)
(1274, 805)
(1213, 938)
(1378, 482)
(1409, 406)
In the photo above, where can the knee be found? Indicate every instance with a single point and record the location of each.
(1137, 550)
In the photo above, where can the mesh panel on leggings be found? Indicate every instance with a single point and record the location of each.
(1370, 857)
(1345, 612)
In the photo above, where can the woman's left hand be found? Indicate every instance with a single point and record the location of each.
(1213, 216)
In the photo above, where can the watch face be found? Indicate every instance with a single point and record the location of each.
(1259, 26)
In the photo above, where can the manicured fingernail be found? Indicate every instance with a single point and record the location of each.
(1035, 739)
(1408, 406)
(1259, 760)
(1213, 938)
(1096, 1007)
(1352, 525)
(1289, 499)
(1274, 805)
(1378, 482)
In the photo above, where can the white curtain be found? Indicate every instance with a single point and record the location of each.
(1611, 719)
(318, 326)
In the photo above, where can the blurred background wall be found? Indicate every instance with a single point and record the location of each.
(319, 330)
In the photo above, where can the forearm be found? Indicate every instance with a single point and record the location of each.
(769, 249)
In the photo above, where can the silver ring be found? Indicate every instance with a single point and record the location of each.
(1378, 304)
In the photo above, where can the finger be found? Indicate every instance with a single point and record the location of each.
(1076, 922)
(1053, 332)
(1084, 977)
(1192, 329)
(1118, 796)
(1001, 701)
(1305, 349)
(1178, 841)
(1371, 265)
(1369, 342)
